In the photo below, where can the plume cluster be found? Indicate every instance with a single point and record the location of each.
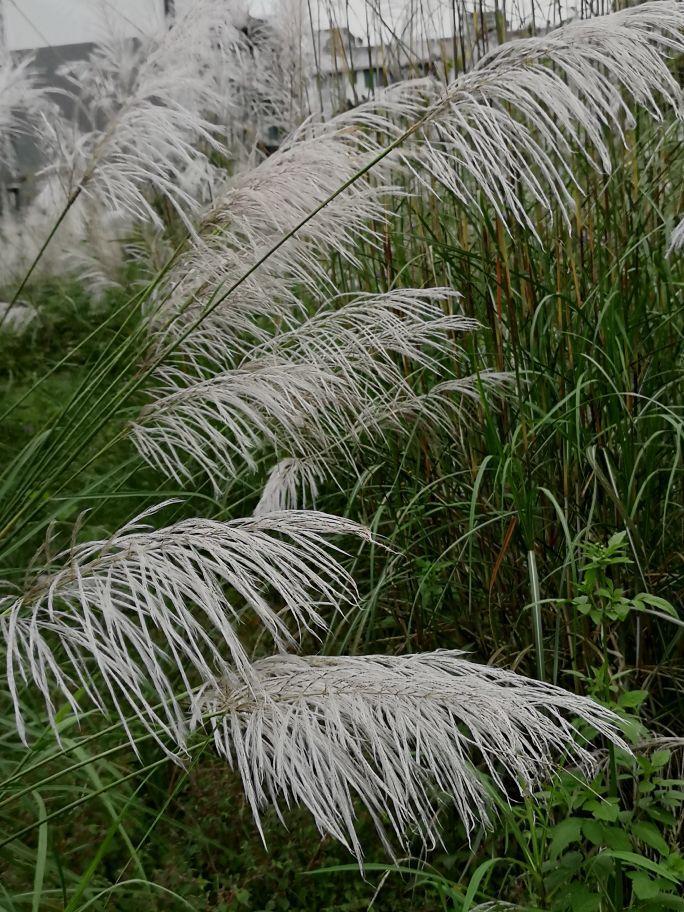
(508, 128)
(140, 120)
(89, 242)
(506, 131)
(147, 107)
(312, 393)
(291, 484)
(395, 734)
(266, 71)
(253, 212)
(253, 349)
(130, 618)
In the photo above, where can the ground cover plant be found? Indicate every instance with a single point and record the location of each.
(340, 506)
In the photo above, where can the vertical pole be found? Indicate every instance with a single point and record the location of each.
(6, 152)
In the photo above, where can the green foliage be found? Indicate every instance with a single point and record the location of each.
(589, 442)
(599, 598)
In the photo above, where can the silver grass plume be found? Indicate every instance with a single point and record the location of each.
(508, 127)
(133, 619)
(221, 423)
(398, 735)
(252, 212)
(257, 206)
(292, 484)
(22, 100)
(677, 238)
(88, 244)
(148, 107)
(311, 393)
(266, 73)
(506, 130)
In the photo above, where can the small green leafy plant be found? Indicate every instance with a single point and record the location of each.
(598, 596)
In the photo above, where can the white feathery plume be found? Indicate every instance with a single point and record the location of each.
(88, 244)
(394, 734)
(267, 80)
(258, 206)
(16, 318)
(221, 423)
(254, 210)
(507, 128)
(371, 329)
(129, 618)
(21, 100)
(347, 332)
(676, 238)
(148, 105)
(565, 84)
(311, 391)
(261, 205)
(292, 484)
(442, 406)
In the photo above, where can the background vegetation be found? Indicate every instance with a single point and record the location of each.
(545, 537)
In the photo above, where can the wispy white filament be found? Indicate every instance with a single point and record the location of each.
(396, 735)
(677, 238)
(136, 618)
(21, 100)
(309, 393)
(148, 104)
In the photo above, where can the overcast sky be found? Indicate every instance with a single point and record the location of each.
(35, 23)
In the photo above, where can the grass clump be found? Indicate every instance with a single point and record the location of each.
(356, 487)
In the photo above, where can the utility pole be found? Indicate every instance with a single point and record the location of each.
(6, 151)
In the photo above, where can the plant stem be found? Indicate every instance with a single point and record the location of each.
(69, 203)
(536, 613)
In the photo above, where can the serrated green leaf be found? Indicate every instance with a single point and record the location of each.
(659, 814)
(638, 861)
(662, 902)
(632, 698)
(656, 602)
(607, 810)
(644, 886)
(581, 899)
(563, 834)
(649, 833)
(616, 838)
(594, 832)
